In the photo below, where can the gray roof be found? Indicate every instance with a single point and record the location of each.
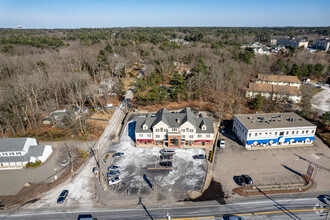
(273, 120)
(24, 158)
(12, 144)
(173, 120)
(36, 150)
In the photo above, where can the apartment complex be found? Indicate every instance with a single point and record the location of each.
(290, 41)
(275, 87)
(322, 44)
(273, 129)
(174, 129)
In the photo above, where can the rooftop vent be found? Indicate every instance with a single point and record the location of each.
(178, 120)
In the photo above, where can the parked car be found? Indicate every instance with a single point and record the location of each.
(65, 163)
(199, 156)
(113, 168)
(165, 164)
(95, 169)
(114, 180)
(62, 196)
(118, 154)
(166, 157)
(86, 217)
(326, 199)
(222, 143)
(113, 173)
(240, 181)
(247, 179)
(167, 151)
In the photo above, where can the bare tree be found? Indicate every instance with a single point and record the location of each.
(70, 152)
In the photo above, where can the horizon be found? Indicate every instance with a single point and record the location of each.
(36, 14)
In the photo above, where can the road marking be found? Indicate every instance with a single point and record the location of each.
(190, 218)
(284, 211)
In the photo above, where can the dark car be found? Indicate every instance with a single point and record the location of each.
(240, 181)
(165, 164)
(86, 217)
(118, 154)
(114, 168)
(166, 157)
(247, 179)
(199, 156)
(113, 173)
(62, 196)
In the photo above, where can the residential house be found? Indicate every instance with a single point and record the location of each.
(278, 80)
(15, 153)
(273, 129)
(174, 129)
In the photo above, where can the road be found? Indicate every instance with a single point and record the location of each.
(298, 206)
(321, 101)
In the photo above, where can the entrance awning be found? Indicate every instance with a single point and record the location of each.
(144, 140)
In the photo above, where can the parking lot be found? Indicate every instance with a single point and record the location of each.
(186, 172)
(271, 166)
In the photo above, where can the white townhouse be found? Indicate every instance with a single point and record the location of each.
(174, 129)
(15, 153)
(273, 129)
(281, 80)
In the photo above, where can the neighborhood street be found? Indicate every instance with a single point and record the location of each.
(321, 101)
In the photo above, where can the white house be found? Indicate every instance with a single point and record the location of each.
(273, 129)
(281, 80)
(290, 41)
(15, 153)
(174, 129)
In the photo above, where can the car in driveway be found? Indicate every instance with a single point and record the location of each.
(166, 157)
(114, 180)
(222, 143)
(247, 179)
(113, 167)
(240, 181)
(62, 196)
(113, 173)
(199, 156)
(166, 164)
(118, 154)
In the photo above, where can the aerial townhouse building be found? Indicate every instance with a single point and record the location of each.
(273, 129)
(290, 41)
(322, 44)
(174, 129)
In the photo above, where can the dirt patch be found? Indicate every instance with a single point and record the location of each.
(29, 192)
(214, 192)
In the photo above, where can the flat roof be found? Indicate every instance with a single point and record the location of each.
(273, 120)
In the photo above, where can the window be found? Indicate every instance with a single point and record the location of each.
(306, 131)
(312, 131)
(183, 136)
(140, 135)
(157, 130)
(296, 132)
(302, 132)
(259, 134)
(199, 135)
(292, 132)
(164, 130)
(275, 133)
(270, 133)
(149, 135)
(174, 129)
(145, 127)
(157, 135)
(191, 130)
(249, 134)
(182, 130)
(161, 129)
(5, 154)
(12, 154)
(266, 133)
(191, 136)
(18, 153)
(256, 134)
(287, 132)
(187, 129)
(208, 136)
(282, 133)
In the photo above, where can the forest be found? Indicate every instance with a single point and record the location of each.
(50, 69)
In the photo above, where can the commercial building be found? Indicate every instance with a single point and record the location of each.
(273, 129)
(15, 153)
(174, 129)
(290, 41)
(322, 44)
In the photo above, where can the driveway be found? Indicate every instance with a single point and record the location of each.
(271, 166)
(321, 101)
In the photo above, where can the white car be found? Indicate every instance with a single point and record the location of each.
(222, 143)
(65, 163)
(114, 180)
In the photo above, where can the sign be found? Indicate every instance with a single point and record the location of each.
(310, 170)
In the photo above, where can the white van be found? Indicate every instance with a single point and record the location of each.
(167, 151)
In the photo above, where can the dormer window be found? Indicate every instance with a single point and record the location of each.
(145, 127)
(203, 127)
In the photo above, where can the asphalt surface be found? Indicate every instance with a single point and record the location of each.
(321, 101)
(297, 206)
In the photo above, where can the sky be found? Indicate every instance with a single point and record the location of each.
(160, 13)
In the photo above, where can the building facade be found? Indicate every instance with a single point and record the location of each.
(290, 41)
(273, 129)
(322, 44)
(280, 80)
(15, 153)
(174, 129)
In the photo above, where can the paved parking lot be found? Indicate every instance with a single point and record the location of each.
(271, 166)
(187, 173)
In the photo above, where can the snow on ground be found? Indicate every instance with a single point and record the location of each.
(187, 173)
(321, 101)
